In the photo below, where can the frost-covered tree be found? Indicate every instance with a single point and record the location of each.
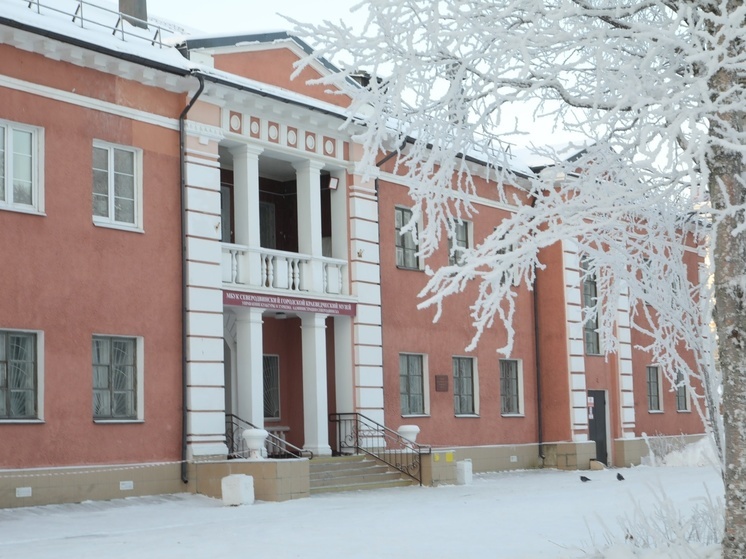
(656, 90)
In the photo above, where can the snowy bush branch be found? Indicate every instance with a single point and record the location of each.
(654, 92)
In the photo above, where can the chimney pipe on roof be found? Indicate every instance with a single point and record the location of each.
(137, 10)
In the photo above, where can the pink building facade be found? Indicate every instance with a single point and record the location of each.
(189, 251)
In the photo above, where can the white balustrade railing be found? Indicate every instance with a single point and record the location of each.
(276, 269)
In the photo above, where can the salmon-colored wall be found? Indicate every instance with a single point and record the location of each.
(70, 279)
(88, 82)
(409, 330)
(274, 67)
(669, 421)
(283, 338)
(553, 358)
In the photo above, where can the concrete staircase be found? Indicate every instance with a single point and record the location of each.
(353, 473)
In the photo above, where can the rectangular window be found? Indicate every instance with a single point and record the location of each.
(458, 244)
(463, 385)
(590, 298)
(411, 384)
(654, 388)
(18, 375)
(511, 389)
(682, 394)
(226, 213)
(271, 387)
(406, 249)
(20, 169)
(115, 378)
(267, 225)
(117, 186)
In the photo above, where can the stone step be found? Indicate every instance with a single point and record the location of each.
(355, 478)
(350, 473)
(361, 486)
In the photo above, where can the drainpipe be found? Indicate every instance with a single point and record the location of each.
(537, 358)
(182, 171)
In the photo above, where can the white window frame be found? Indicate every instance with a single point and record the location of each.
(37, 168)
(474, 387)
(397, 235)
(425, 385)
(39, 418)
(139, 379)
(455, 248)
(682, 391)
(659, 381)
(279, 395)
(519, 380)
(110, 221)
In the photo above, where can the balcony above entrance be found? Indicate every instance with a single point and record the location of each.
(259, 269)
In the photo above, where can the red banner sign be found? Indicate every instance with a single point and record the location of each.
(286, 303)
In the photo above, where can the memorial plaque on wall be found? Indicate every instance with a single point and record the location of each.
(441, 383)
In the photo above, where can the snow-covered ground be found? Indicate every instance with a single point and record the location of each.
(510, 515)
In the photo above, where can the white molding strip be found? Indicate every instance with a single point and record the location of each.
(88, 102)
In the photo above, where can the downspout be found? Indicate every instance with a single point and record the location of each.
(182, 171)
(537, 358)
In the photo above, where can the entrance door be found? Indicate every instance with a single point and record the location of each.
(597, 423)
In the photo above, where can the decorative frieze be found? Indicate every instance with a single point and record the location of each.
(282, 134)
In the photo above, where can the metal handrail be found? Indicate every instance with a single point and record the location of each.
(117, 29)
(276, 447)
(363, 435)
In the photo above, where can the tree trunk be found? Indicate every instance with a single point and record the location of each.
(727, 187)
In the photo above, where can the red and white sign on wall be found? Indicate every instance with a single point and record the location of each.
(285, 303)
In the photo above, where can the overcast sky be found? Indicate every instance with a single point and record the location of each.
(236, 16)
(227, 17)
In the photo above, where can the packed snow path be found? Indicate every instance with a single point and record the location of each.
(515, 515)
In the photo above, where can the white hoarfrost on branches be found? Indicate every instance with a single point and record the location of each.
(652, 91)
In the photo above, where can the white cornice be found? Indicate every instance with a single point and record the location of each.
(204, 130)
(89, 58)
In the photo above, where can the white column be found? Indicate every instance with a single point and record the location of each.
(250, 367)
(315, 408)
(246, 202)
(204, 305)
(309, 221)
(365, 277)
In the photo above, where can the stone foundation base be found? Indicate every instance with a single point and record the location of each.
(47, 486)
(274, 480)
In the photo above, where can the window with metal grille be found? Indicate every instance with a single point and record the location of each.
(590, 297)
(510, 387)
(682, 394)
(411, 384)
(458, 244)
(114, 377)
(271, 387)
(463, 385)
(18, 375)
(654, 388)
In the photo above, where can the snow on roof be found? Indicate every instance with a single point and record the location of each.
(93, 25)
(100, 27)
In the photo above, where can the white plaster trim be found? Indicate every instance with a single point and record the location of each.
(204, 130)
(88, 102)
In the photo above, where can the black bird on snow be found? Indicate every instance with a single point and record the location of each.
(620, 477)
(584, 479)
